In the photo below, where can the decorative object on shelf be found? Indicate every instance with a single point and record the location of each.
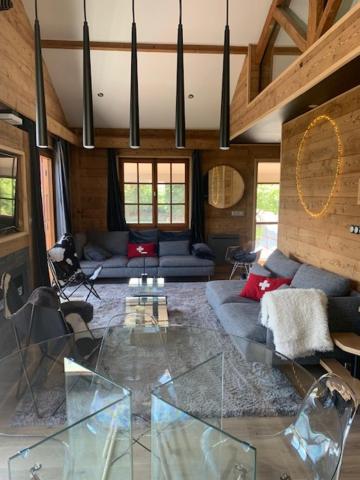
(41, 121)
(180, 131)
(340, 153)
(88, 115)
(5, 5)
(225, 95)
(226, 186)
(134, 87)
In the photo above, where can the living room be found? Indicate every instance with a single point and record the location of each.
(179, 239)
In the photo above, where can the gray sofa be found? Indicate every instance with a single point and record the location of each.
(173, 261)
(240, 316)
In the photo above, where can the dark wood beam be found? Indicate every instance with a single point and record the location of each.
(156, 47)
(316, 9)
(291, 27)
(328, 17)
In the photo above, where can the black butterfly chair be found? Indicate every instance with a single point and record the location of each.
(65, 269)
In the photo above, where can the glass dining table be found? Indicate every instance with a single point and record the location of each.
(174, 402)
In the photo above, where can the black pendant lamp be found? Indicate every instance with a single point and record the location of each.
(180, 133)
(88, 120)
(134, 88)
(225, 95)
(41, 122)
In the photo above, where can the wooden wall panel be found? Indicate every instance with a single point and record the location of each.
(89, 186)
(325, 242)
(17, 71)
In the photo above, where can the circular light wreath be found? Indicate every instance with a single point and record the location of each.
(340, 149)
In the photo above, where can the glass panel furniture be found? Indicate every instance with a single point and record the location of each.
(151, 308)
(232, 395)
(147, 286)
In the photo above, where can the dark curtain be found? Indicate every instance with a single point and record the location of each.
(62, 192)
(115, 213)
(197, 200)
(39, 257)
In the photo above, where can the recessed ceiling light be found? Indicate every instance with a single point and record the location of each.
(191, 96)
(313, 105)
(100, 94)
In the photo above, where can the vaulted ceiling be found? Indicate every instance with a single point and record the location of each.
(110, 20)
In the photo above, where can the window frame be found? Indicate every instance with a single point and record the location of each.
(256, 223)
(154, 162)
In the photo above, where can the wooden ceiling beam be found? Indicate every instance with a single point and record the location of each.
(328, 17)
(157, 47)
(316, 9)
(291, 27)
(267, 30)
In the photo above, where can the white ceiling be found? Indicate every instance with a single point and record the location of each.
(110, 20)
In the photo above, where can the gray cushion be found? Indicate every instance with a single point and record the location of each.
(84, 309)
(139, 262)
(95, 252)
(144, 236)
(184, 261)
(179, 247)
(330, 283)
(219, 292)
(281, 265)
(343, 313)
(257, 269)
(115, 242)
(116, 261)
(89, 265)
(242, 320)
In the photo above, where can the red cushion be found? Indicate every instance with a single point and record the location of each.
(257, 285)
(141, 250)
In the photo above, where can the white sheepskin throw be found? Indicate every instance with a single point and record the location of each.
(298, 320)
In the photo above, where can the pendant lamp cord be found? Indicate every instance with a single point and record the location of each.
(133, 10)
(36, 10)
(85, 16)
(180, 12)
(227, 13)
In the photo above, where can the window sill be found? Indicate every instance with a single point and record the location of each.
(13, 242)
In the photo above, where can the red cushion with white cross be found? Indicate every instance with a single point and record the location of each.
(257, 285)
(141, 250)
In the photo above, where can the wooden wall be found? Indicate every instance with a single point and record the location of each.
(17, 72)
(325, 242)
(89, 186)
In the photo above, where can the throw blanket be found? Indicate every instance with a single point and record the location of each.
(298, 320)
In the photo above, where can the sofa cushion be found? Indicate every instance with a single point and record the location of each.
(257, 285)
(242, 320)
(330, 283)
(115, 262)
(80, 240)
(179, 247)
(141, 250)
(184, 261)
(144, 236)
(219, 292)
(202, 250)
(258, 269)
(115, 242)
(343, 313)
(281, 265)
(89, 265)
(95, 252)
(174, 236)
(141, 261)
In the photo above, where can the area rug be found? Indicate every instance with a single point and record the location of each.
(251, 388)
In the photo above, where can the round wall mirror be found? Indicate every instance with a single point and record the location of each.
(226, 186)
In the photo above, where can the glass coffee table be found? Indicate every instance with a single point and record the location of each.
(147, 286)
(147, 298)
(196, 403)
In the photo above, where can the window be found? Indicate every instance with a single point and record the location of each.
(8, 178)
(47, 197)
(267, 206)
(156, 192)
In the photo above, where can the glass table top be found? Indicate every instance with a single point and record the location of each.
(242, 388)
(147, 286)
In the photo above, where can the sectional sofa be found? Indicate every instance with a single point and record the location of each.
(174, 258)
(240, 316)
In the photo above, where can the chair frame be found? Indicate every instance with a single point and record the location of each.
(79, 278)
(244, 266)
